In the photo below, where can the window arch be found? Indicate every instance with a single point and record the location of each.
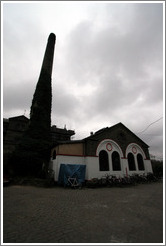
(103, 161)
(131, 162)
(140, 162)
(116, 161)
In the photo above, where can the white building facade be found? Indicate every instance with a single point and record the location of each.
(114, 151)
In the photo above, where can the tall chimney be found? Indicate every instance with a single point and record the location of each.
(34, 147)
(42, 100)
(49, 54)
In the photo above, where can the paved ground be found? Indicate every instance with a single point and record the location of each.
(102, 215)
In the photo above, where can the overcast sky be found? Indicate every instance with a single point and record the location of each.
(108, 64)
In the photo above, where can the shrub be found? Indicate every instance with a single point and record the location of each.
(157, 167)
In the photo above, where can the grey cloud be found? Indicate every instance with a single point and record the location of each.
(118, 59)
(64, 102)
(109, 69)
(17, 97)
(130, 50)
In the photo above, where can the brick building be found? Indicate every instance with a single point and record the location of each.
(112, 150)
(13, 129)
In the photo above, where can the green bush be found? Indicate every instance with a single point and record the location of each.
(157, 167)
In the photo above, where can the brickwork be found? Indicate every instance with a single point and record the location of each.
(103, 215)
(118, 133)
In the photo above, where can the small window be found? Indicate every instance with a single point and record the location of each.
(131, 162)
(54, 155)
(140, 162)
(103, 161)
(116, 161)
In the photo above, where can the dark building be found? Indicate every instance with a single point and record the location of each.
(60, 134)
(14, 127)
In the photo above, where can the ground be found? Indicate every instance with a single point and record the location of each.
(102, 215)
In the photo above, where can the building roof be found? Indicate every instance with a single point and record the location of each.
(62, 130)
(5, 120)
(20, 117)
(112, 128)
(70, 141)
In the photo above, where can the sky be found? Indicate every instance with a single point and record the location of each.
(108, 64)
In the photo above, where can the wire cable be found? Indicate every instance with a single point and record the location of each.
(150, 125)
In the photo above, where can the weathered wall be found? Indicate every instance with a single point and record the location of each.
(69, 149)
(92, 166)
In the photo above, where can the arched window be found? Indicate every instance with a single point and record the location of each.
(116, 161)
(103, 161)
(54, 155)
(140, 162)
(131, 162)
